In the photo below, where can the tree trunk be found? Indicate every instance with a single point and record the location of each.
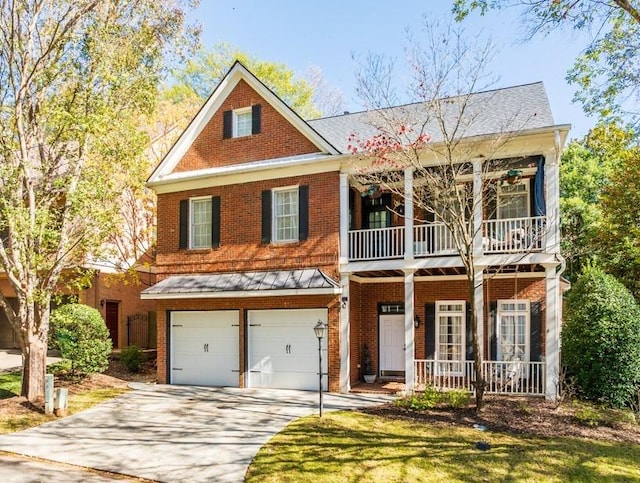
(34, 365)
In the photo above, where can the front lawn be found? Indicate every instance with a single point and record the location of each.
(351, 446)
(17, 414)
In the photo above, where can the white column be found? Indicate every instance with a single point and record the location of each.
(478, 284)
(477, 207)
(408, 214)
(552, 335)
(409, 346)
(552, 197)
(344, 218)
(345, 339)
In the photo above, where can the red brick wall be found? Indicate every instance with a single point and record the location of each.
(112, 288)
(241, 227)
(277, 138)
(365, 298)
(331, 302)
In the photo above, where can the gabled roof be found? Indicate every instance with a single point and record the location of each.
(509, 109)
(237, 73)
(244, 284)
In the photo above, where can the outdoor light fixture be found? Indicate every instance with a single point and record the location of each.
(416, 322)
(101, 302)
(344, 302)
(320, 330)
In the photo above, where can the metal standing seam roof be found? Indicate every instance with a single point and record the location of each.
(509, 109)
(246, 283)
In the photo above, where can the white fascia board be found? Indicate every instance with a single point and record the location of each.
(212, 105)
(248, 172)
(242, 294)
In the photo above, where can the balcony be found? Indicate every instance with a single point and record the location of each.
(515, 235)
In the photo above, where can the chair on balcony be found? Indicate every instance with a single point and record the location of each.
(506, 376)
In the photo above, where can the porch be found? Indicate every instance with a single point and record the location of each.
(511, 235)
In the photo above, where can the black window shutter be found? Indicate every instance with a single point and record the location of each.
(493, 324)
(255, 119)
(215, 221)
(184, 224)
(469, 330)
(430, 329)
(266, 216)
(535, 334)
(303, 206)
(227, 124)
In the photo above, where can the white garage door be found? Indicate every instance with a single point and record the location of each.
(283, 349)
(205, 348)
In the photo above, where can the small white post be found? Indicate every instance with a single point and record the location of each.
(48, 393)
(62, 397)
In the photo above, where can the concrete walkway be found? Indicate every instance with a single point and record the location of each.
(176, 433)
(11, 359)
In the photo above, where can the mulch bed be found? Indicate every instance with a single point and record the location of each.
(526, 416)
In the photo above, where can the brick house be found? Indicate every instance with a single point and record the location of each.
(263, 231)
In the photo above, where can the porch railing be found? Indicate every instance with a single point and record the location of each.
(512, 235)
(501, 377)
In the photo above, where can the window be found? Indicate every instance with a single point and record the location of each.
(513, 200)
(242, 122)
(200, 221)
(376, 212)
(285, 215)
(450, 330)
(513, 330)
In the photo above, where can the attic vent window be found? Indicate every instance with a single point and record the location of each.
(241, 122)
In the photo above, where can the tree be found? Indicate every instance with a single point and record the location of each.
(618, 233)
(608, 70)
(585, 173)
(446, 71)
(205, 70)
(74, 78)
(601, 339)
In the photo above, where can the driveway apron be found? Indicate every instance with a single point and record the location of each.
(176, 433)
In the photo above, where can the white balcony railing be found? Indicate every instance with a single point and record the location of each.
(501, 377)
(514, 235)
(376, 244)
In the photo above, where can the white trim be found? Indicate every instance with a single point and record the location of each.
(463, 331)
(438, 278)
(237, 73)
(241, 293)
(515, 313)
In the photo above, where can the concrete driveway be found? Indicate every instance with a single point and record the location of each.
(176, 433)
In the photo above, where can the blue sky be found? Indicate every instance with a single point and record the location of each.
(302, 33)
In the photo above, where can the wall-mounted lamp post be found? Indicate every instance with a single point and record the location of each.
(320, 330)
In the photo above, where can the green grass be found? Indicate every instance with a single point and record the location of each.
(10, 383)
(349, 446)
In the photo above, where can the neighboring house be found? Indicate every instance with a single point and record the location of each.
(263, 232)
(129, 319)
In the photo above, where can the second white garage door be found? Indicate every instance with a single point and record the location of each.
(283, 349)
(205, 348)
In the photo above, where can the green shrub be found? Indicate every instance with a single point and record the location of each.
(601, 339)
(81, 335)
(430, 398)
(132, 357)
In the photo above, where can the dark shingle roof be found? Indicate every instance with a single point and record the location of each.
(312, 279)
(492, 112)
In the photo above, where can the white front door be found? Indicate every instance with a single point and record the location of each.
(392, 345)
